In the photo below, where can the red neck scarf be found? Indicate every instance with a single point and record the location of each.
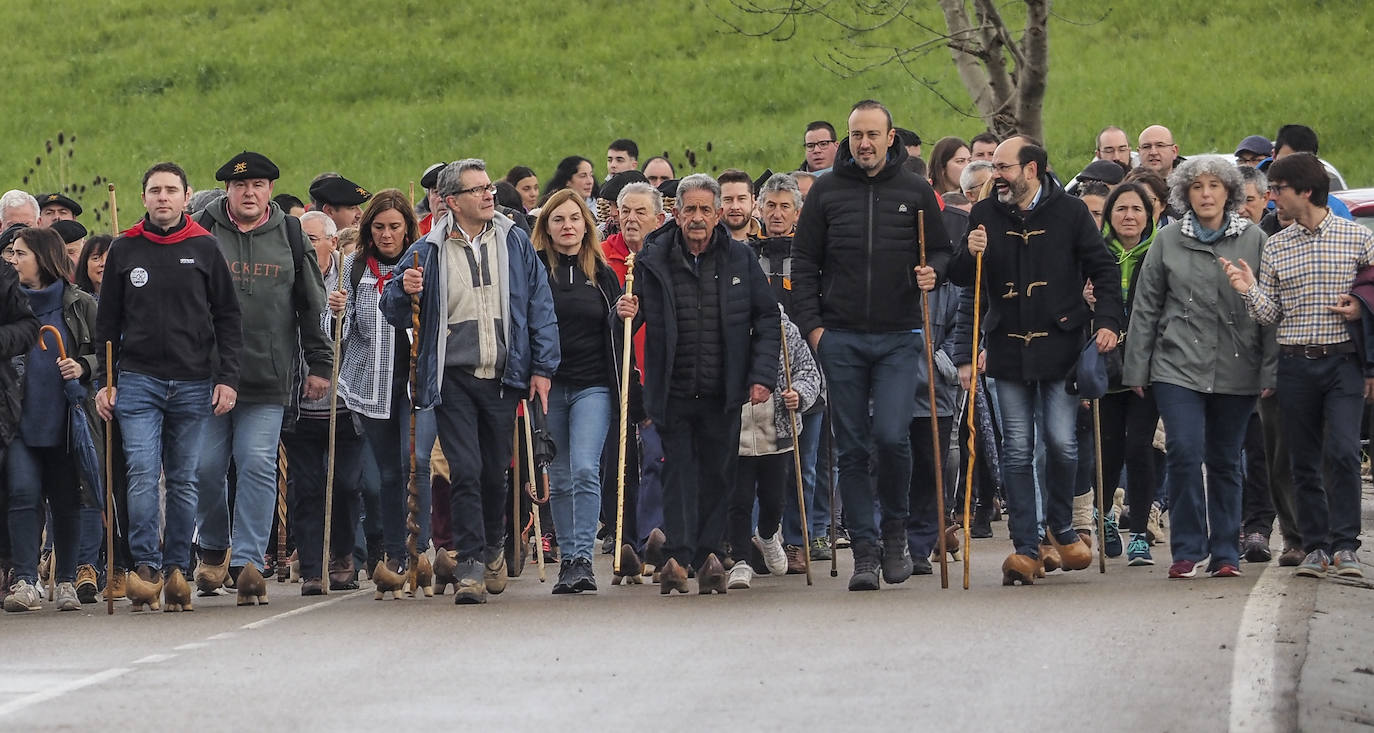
(376, 269)
(190, 229)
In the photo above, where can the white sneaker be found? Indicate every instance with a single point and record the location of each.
(774, 557)
(741, 575)
(24, 596)
(67, 599)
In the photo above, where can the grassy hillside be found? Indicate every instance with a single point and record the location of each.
(379, 94)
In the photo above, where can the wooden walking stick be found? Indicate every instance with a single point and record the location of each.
(333, 431)
(626, 353)
(972, 423)
(1101, 512)
(413, 487)
(796, 454)
(283, 564)
(412, 194)
(114, 213)
(830, 481)
(109, 478)
(934, 420)
(534, 506)
(517, 537)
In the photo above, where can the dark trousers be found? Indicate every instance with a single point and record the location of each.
(610, 486)
(700, 449)
(766, 478)
(1257, 504)
(476, 419)
(649, 503)
(1128, 433)
(923, 526)
(1279, 472)
(307, 454)
(36, 473)
(1321, 401)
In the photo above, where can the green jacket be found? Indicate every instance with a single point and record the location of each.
(1188, 327)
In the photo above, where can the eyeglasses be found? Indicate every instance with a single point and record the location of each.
(479, 190)
(1277, 187)
(1156, 146)
(819, 144)
(1004, 167)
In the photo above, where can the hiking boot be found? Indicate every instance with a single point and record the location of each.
(114, 586)
(774, 557)
(1291, 557)
(494, 570)
(866, 562)
(1314, 565)
(87, 583)
(1183, 569)
(741, 575)
(1255, 548)
(981, 527)
(820, 549)
(896, 554)
(471, 587)
(24, 596)
(796, 560)
(1346, 564)
(1138, 551)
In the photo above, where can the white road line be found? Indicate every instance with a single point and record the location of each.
(303, 609)
(223, 635)
(191, 645)
(1255, 693)
(14, 706)
(154, 658)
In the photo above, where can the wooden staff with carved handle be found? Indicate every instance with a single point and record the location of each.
(934, 419)
(109, 479)
(413, 488)
(796, 454)
(623, 438)
(972, 422)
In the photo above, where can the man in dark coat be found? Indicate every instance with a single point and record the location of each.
(1038, 245)
(711, 342)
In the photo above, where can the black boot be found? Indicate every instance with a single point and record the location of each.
(981, 527)
(896, 553)
(866, 563)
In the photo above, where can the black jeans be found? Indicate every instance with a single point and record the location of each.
(1322, 401)
(307, 456)
(476, 420)
(35, 474)
(1128, 433)
(700, 450)
(923, 526)
(1279, 472)
(1257, 505)
(765, 477)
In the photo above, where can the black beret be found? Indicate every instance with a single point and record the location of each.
(338, 191)
(669, 188)
(60, 200)
(247, 165)
(908, 137)
(611, 191)
(70, 230)
(1107, 171)
(11, 233)
(430, 178)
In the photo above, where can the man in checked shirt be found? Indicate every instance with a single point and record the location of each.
(1305, 276)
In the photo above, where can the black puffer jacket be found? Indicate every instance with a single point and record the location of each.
(697, 370)
(18, 334)
(748, 318)
(856, 247)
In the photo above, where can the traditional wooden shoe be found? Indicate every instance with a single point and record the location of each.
(252, 587)
(143, 588)
(388, 580)
(424, 576)
(631, 569)
(952, 534)
(673, 578)
(494, 575)
(210, 577)
(1073, 556)
(1049, 558)
(1019, 569)
(711, 577)
(176, 592)
(653, 550)
(445, 570)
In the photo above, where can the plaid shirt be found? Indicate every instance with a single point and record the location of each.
(1302, 272)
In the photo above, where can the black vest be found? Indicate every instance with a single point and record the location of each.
(697, 370)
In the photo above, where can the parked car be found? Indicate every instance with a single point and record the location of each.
(1360, 202)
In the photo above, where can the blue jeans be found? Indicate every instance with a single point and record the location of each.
(876, 367)
(579, 420)
(35, 473)
(389, 440)
(1023, 405)
(162, 422)
(810, 444)
(1201, 428)
(649, 503)
(248, 434)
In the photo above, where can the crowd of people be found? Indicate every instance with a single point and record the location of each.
(708, 377)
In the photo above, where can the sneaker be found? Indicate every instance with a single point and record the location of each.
(584, 577)
(820, 549)
(1183, 569)
(866, 563)
(1255, 547)
(1347, 565)
(564, 584)
(841, 538)
(1291, 557)
(774, 557)
(741, 576)
(1138, 551)
(1112, 542)
(796, 560)
(1314, 565)
(920, 565)
(981, 528)
(896, 554)
(1226, 570)
(24, 596)
(87, 583)
(66, 597)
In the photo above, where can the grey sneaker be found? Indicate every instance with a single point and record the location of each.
(24, 596)
(1314, 565)
(820, 548)
(67, 599)
(471, 587)
(494, 570)
(1347, 565)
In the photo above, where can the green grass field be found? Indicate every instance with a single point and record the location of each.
(379, 90)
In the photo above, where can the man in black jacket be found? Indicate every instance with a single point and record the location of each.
(711, 342)
(1038, 245)
(857, 279)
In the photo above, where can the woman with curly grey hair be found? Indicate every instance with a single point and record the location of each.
(1192, 342)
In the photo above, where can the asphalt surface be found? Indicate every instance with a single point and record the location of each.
(1125, 649)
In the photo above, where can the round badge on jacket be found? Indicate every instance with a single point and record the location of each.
(138, 277)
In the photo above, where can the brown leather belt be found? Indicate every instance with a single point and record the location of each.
(1317, 351)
